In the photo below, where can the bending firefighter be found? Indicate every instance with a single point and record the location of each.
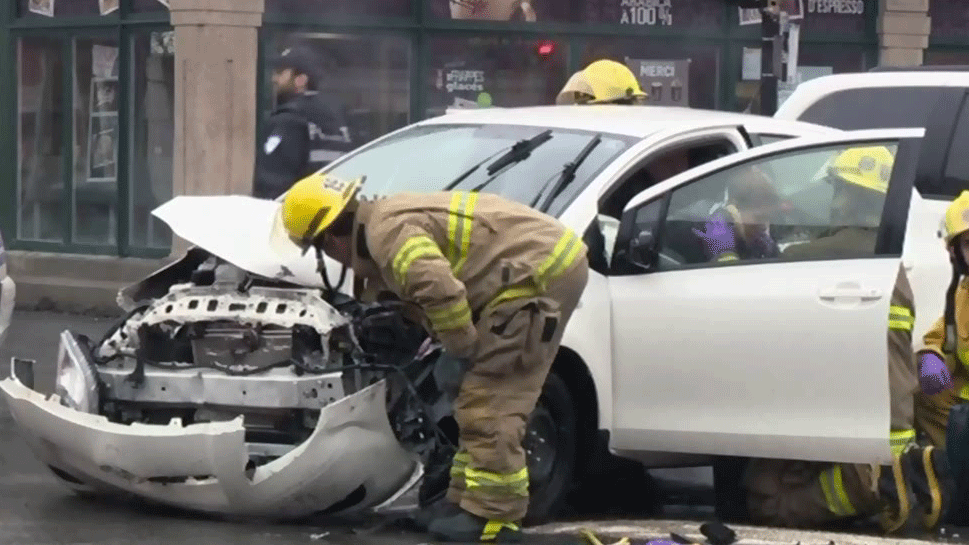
(602, 82)
(803, 494)
(497, 282)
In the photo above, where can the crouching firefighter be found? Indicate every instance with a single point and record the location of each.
(497, 282)
(914, 491)
(942, 410)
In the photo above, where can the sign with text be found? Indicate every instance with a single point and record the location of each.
(646, 12)
(666, 81)
(793, 8)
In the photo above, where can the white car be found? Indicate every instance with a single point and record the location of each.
(233, 386)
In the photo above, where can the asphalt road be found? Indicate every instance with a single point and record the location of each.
(35, 509)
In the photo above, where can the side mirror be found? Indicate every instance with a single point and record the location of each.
(642, 250)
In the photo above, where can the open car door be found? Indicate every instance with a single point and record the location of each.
(782, 357)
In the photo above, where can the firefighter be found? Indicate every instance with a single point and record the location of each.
(497, 282)
(304, 133)
(797, 493)
(602, 82)
(943, 357)
(741, 228)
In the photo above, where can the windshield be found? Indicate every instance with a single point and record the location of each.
(428, 158)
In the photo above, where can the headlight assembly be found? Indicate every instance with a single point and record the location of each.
(75, 382)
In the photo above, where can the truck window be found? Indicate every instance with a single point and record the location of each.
(874, 108)
(957, 162)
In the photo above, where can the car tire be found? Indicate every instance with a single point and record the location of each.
(551, 448)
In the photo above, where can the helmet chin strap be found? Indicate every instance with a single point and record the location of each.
(321, 269)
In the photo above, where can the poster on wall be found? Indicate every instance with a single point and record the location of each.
(793, 8)
(462, 87)
(666, 81)
(165, 3)
(41, 7)
(107, 6)
(493, 10)
(104, 61)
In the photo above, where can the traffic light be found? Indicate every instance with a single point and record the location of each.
(545, 48)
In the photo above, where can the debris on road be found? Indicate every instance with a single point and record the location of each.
(718, 533)
(317, 537)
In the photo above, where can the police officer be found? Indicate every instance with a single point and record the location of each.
(303, 133)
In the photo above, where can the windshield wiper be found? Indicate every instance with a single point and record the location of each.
(519, 151)
(568, 174)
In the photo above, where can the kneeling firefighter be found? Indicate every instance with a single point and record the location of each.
(497, 282)
(916, 485)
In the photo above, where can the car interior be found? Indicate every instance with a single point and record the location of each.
(601, 235)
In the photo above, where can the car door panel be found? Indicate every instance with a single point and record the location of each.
(773, 358)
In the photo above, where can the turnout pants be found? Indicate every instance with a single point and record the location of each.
(803, 494)
(518, 340)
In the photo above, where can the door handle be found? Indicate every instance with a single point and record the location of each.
(850, 291)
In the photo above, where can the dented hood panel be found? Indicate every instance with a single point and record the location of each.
(237, 228)
(335, 469)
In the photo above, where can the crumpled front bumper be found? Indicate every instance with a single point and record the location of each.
(351, 462)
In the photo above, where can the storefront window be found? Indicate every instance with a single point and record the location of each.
(950, 18)
(40, 190)
(683, 14)
(491, 71)
(141, 6)
(96, 93)
(814, 60)
(152, 136)
(673, 72)
(364, 77)
(377, 8)
(819, 16)
(66, 8)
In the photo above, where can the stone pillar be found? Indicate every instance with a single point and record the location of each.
(903, 30)
(216, 48)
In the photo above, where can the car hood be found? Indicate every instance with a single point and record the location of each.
(237, 229)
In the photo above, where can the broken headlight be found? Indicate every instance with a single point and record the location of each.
(75, 382)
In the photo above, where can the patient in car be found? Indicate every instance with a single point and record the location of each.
(740, 229)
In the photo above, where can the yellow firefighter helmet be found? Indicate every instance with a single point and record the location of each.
(869, 167)
(310, 206)
(956, 219)
(601, 82)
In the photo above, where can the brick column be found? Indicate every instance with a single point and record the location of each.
(903, 30)
(216, 47)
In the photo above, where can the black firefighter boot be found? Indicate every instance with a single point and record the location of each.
(469, 528)
(929, 477)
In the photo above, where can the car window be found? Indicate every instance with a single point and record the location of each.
(956, 176)
(428, 158)
(874, 108)
(764, 139)
(819, 203)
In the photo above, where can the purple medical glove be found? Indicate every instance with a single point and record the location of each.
(934, 377)
(718, 237)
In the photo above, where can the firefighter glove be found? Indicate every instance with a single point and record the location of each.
(449, 372)
(934, 377)
(718, 237)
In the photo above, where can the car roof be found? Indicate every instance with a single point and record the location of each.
(637, 121)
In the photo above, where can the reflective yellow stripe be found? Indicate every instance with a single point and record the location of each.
(459, 224)
(460, 462)
(412, 249)
(455, 316)
(900, 318)
(561, 258)
(492, 527)
(899, 440)
(515, 484)
(728, 256)
(510, 294)
(834, 492)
